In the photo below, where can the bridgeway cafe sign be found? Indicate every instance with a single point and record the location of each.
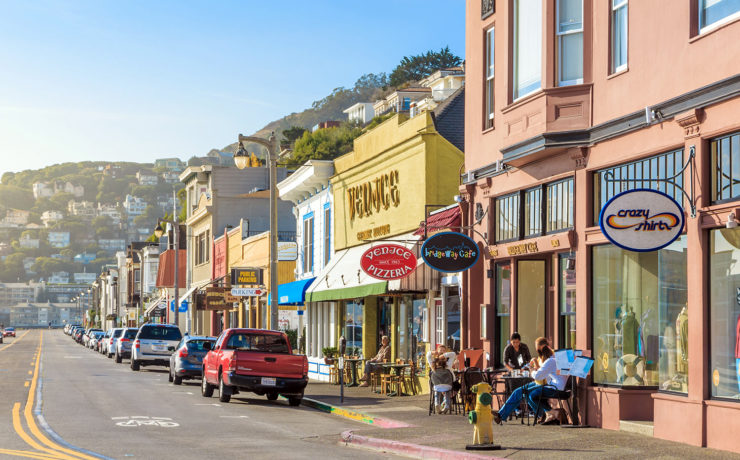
(642, 220)
(388, 262)
(450, 252)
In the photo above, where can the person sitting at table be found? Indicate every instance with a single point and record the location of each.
(384, 354)
(546, 371)
(441, 350)
(516, 353)
(442, 379)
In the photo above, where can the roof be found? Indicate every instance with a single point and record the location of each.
(449, 118)
(448, 218)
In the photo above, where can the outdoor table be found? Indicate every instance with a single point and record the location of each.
(511, 383)
(353, 365)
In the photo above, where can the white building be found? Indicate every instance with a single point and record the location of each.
(145, 178)
(111, 211)
(84, 278)
(134, 206)
(59, 278)
(361, 112)
(58, 239)
(85, 209)
(47, 190)
(16, 217)
(171, 177)
(309, 190)
(112, 244)
(150, 266)
(443, 83)
(51, 217)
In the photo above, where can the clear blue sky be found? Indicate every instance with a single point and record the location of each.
(137, 80)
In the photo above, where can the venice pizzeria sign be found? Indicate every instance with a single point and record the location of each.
(642, 220)
(388, 262)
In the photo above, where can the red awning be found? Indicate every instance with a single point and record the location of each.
(165, 278)
(449, 219)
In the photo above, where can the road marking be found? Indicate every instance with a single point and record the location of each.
(25, 384)
(182, 392)
(30, 372)
(15, 341)
(26, 453)
(234, 416)
(136, 421)
(28, 439)
(73, 357)
(213, 404)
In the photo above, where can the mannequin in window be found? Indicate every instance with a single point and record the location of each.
(629, 328)
(682, 342)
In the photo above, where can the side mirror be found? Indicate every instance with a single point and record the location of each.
(208, 346)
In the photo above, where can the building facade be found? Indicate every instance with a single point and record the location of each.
(568, 104)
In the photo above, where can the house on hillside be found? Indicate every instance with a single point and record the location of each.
(134, 206)
(325, 124)
(26, 242)
(47, 190)
(111, 211)
(16, 217)
(172, 164)
(112, 245)
(400, 100)
(220, 158)
(362, 112)
(171, 177)
(59, 278)
(443, 83)
(84, 209)
(49, 218)
(146, 178)
(58, 239)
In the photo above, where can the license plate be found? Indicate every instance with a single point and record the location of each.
(158, 347)
(268, 381)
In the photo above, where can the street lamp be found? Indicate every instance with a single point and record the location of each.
(158, 232)
(241, 160)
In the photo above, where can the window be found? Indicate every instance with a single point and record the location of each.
(483, 321)
(560, 205)
(308, 243)
(567, 300)
(202, 247)
(725, 167)
(713, 13)
(527, 47)
(639, 317)
(533, 212)
(353, 327)
(569, 33)
(641, 174)
(439, 322)
(503, 309)
(507, 217)
(137, 281)
(327, 234)
(490, 52)
(724, 341)
(618, 35)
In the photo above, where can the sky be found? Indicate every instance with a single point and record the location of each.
(104, 80)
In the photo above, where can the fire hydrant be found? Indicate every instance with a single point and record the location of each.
(482, 418)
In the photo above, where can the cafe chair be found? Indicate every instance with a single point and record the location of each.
(498, 386)
(406, 382)
(334, 374)
(561, 395)
(471, 376)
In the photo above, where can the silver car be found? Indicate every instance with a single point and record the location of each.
(110, 340)
(186, 362)
(124, 343)
(154, 344)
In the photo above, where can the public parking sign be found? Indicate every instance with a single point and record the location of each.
(248, 292)
(246, 276)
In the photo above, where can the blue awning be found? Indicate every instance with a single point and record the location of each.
(292, 293)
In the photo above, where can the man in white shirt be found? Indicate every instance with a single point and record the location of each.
(545, 370)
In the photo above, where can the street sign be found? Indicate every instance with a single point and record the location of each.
(183, 306)
(215, 299)
(246, 276)
(287, 250)
(450, 252)
(248, 292)
(642, 220)
(388, 262)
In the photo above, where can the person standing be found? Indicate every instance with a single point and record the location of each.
(516, 353)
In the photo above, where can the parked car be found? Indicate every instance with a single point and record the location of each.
(79, 334)
(109, 344)
(256, 360)
(103, 340)
(123, 344)
(154, 344)
(186, 362)
(93, 339)
(9, 332)
(89, 334)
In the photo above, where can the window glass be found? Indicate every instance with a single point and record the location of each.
(353, 327)
(533, 212)
(419, 330)
(439, 322)
(263, 343)
(639, 317)
(483, 321)
(619, 35)
(570, 41)
(452, 308)
(503, 309)
(713, 12)
(507, 217)
(327, 235)
(725, 153)
(130, 333)
(527, 47)
(639, 174)
(160, 333)
(490, 52)
(560, 205)
(724, 340)
(308, 243)
(567, 300)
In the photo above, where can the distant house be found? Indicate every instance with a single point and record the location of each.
(112, 171)
(42, 190)
(16, 217)
(59, 278)
(400, 100)
(47, 190)
(27, 242)
(220, 158)
(58, 239)
(27, 264)
(172, 164)
(171, 177)
(51, 217)
(145, 178)
(84, 278)
(111, 211)
(134, 206)
(362, 112)
(84, 209)
(112, 244)
(84, 258)
(443, 83)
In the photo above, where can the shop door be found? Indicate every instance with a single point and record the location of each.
(531, 300)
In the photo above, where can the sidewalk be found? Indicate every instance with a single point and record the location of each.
(453, 432)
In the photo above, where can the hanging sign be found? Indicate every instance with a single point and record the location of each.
(246, 276)
(642, 220)
(388, 262)
(450, 252)
(215, 299)
(248, 292)
(287, 250)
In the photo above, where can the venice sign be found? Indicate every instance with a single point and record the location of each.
(388, 262)
(642, 220)
(450, 252)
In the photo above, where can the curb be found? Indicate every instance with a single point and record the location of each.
(408, 449)
(379, 422)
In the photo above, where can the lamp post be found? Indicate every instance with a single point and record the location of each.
(241, 158)
(158, 232)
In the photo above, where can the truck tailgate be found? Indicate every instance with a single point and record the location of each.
(269, 364)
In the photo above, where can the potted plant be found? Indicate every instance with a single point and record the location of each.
(329, 354)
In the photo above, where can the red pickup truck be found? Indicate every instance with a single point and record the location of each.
(256, 360)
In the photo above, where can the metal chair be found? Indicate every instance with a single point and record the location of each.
(471, 376)
(560, 396)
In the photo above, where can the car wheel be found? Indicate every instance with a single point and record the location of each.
(135, 365)
(272, 396)
(177, 380)
(294, 400)
(206, 389)
(222, 396)
(169, 375)
(108, 355)
(118, 358)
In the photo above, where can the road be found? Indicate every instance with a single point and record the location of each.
(89, 407)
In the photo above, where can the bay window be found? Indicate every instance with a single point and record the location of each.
(527, 47)
(569, 32)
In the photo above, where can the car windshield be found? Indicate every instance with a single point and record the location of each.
(266, 343)
(160, 333)
(130, 333)
(9, 328)
(197, 345)
(117, 333)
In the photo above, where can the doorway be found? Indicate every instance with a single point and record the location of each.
(531, 297)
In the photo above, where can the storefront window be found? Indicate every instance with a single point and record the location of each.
(533, 212)
(560, 205)
(726, 167)
(503, 309)
(452, 308)
(724, 310)
(639, 317)
(567, 300)
(353, 327)
(507, 217)
(385, 308)
(418, 328)
(639, 174)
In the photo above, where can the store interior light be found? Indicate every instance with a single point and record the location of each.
(731, 221)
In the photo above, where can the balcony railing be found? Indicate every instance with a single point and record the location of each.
(440, 95)
(487, 8)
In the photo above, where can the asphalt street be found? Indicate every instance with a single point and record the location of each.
(87, 406)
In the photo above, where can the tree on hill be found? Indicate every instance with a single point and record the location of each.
(325, 144)
(414, 68)
(291, 135)
(15, 197)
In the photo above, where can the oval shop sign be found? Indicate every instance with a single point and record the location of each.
(450, 252)
(641, 220)
(388, 262)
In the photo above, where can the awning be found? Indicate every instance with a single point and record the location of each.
(187, 294)
(292, 293)
(158, 303)
(344, 279)
(444, 219)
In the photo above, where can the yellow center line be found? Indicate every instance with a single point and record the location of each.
(25, 384)
(26, 453)
(18, 427)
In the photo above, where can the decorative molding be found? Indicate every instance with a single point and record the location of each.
(690, 121)
(580, 156)
(487, 8)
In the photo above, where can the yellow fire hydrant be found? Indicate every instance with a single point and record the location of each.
(482, 418)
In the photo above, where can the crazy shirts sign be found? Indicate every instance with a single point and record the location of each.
(388, 262)
(450, 252)
(642, 220)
